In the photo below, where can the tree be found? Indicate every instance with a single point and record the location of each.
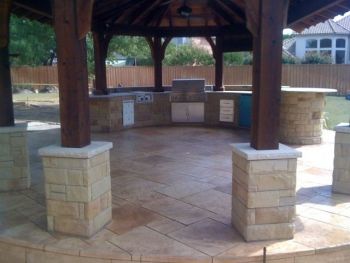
(34, 42)
(233, 58)
(131, 47)
(187, 55)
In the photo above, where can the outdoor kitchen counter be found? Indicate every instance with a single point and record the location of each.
(301, 115)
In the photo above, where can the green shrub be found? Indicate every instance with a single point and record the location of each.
(314, 58)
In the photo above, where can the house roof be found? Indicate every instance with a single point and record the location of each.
(287, 43)
(345, 22)
(327, 27)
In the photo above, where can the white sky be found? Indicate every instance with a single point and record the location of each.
(288, 31)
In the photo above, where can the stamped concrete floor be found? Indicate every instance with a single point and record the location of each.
(171, 190)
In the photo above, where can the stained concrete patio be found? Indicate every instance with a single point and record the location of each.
(171, 189)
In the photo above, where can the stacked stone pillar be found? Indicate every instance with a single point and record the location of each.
(14, 163)
(301, 117)
(341, 172)
(78, 188)
(263, 195)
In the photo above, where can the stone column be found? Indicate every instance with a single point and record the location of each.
(263, 192)
(78, 188)
(14, 161)
(341, 172)
(301, 117)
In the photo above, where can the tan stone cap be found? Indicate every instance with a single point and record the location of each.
(19, 127)
(284, 152)
(342, 127)
(89, 151)
(307, 90)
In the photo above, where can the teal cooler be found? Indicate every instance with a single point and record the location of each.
(245, 110)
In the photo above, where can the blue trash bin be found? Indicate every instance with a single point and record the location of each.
(347, 96)
(245, 110)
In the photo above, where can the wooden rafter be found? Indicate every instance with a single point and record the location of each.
(232, 10)
(144, 14)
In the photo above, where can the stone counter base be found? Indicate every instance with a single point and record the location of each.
(301, 118)
(341, 173)
(78, 188)
(263, 192)
(14, 161)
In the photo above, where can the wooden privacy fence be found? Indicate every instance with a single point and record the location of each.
(320, 76)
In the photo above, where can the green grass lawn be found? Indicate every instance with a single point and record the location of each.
(337, 110)
(33, 97)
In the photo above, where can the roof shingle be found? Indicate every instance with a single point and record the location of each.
(328, 27)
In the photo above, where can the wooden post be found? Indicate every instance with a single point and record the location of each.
(101, 43)
(265, 19)
(71, 26)
(218, 55)
(219, 64)
(158, 52)
(6, 103)
(157, 59)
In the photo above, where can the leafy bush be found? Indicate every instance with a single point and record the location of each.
(248, 59)
(314, 58)
(187, 55)
(233, 58)
(289, 59)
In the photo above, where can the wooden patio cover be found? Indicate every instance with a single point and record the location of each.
(236, 25)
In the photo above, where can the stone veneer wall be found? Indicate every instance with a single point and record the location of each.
(14, 161)
(263, 192)
(212, 109)
(106, 112)
(78, 190)
(301, 117)
(341, 172)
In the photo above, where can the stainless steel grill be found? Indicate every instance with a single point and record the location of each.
(188, 90)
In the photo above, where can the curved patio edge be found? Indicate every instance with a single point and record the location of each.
(20, 251)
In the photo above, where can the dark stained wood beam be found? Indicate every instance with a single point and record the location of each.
(238, 44)
(6, 103)
(219, 63)
(218, 9)
(158, 52)
(267, 70)
(177, 31)
(84, 17)
(42, 8)
(136, 6)
(232, 10)
(101, 42)
(218, 55)
(72, 76)
(141, 15)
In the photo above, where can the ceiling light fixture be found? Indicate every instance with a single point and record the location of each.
(184, 10)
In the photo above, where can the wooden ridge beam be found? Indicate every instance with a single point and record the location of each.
(177, 31)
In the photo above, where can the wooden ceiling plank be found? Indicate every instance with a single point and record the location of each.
(222, 13)
(146, 12)
(232, 9)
